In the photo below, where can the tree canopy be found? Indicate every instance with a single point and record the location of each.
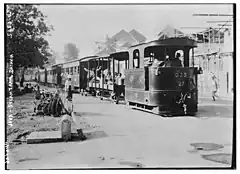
(70, 52)
(26, 29)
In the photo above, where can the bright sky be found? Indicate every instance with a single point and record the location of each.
(85, 24)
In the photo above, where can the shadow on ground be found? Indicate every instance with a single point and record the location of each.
(224, 158)
(89, 135)
(91, 114)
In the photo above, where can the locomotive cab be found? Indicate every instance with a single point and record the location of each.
(154, 81)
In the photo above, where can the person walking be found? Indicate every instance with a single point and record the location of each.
(214, 87)
(68, 88)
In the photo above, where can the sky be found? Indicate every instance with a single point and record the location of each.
(83, 25)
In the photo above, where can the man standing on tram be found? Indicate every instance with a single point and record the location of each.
(175, 62)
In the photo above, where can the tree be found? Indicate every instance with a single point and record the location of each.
(26, 29)
(52, 59)
(70, 52)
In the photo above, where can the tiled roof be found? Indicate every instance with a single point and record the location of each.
(169, 32)
(138, 36)
(122, 39)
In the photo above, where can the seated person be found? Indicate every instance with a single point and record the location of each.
(174, 62)
(177, 62)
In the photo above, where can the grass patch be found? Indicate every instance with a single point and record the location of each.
(24, 122)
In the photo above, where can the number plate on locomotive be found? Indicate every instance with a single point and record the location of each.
(181, 74)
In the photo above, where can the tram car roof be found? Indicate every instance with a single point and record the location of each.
(120, 56)
(80, 59)
(57, 64)
(84, 59)
(174, 41)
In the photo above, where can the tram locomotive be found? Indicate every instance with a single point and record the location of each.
(164, 90)
(161, 89)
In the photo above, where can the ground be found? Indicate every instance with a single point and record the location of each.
(125, 138)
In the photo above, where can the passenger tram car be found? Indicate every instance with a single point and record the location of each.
(133, 76)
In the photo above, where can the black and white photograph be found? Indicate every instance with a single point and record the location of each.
(120, 86)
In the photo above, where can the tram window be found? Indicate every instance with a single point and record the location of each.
(78, 69)
(71, 70)
(136, 59)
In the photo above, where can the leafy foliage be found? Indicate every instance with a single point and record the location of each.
(70, 52)
(26, 29)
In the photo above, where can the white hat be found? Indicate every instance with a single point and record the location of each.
(69, 76)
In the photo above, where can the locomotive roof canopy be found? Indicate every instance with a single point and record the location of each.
(120, 56)
(170, 42)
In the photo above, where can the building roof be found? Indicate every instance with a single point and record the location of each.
(169, 32)
(121, 40)
(138, 36)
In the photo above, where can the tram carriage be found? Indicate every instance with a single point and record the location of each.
(56, 76)
(101, 85)
(42, 76)
(71, 69)
(119, 84)
(49, 75)
(160, 89)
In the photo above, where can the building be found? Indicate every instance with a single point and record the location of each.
(217, 59)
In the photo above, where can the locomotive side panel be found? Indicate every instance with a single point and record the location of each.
(135, 79)
(137, 96)
(135, 85)
(171, 86)
(170, 78)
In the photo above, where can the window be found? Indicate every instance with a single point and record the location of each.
(136, 59)
(78, 69)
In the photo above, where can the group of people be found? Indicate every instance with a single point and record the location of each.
(103, 76)
(169, 62)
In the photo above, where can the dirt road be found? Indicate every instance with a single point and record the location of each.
(125, 138)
